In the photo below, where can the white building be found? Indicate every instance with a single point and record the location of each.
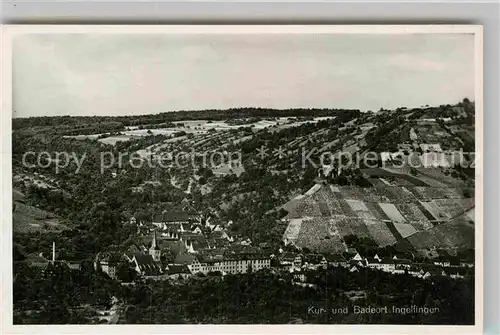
(233, 264)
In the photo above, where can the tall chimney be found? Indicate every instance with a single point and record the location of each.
(53, 252)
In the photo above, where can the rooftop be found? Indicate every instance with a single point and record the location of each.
(175, 217)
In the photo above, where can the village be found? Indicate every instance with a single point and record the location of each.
(178, 245)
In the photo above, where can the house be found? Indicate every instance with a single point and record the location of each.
(189, 246)
(150, 245)
(131, 251)
(188, 236)
(184, 258)
(442, 262)
(221, 234)
(194, 243)
(358, 264)
(432, 270)
(173, 217)
(337, 260)
(357, 257)
(232, 263)
(414, 271)
(426, 275)
(437, 273)
(171, 235)
(456, 272)
(372, 262)
(290, 258)
(467, 264)
(386, 264)
(145, 265)
(202, 244)
(315, 261)
(106, 262)
(172, 227)
(353, 269)
(197, 230)
(297, 261)
(299, 277)
(178, 272)
(402, 264)
(50, 267)
(392, 265)
(214, 243)
(174, 247)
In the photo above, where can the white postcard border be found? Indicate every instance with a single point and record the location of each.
(9, 31)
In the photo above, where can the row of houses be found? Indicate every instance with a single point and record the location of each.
(186, 265)
(192, 255)
(297, 263)
(422, 270)
(178, 221)
(293, 262)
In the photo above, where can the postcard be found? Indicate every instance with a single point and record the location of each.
(242, 179)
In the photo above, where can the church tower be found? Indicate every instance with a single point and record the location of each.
(154, 251)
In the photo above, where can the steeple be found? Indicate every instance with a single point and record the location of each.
(153, 244)
(154, 251)
(53, 252)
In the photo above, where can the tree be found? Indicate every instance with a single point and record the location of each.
(125, 272)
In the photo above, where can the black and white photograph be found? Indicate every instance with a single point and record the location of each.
(257, 175)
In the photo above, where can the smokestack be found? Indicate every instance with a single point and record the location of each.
(53, 251)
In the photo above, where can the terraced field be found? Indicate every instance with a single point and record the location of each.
(422, 216)
(452, 235)
(30, 219)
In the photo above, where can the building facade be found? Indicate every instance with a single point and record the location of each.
(232, 264)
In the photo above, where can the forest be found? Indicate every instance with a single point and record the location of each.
(81, 123)
(56, 295)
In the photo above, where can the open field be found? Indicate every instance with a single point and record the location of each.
(196, 127)
(385, 214)
(27, 218)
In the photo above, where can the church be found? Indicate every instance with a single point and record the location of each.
(145, 262)
(148, 264)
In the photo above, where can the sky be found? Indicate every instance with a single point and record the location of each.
(98, 74)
